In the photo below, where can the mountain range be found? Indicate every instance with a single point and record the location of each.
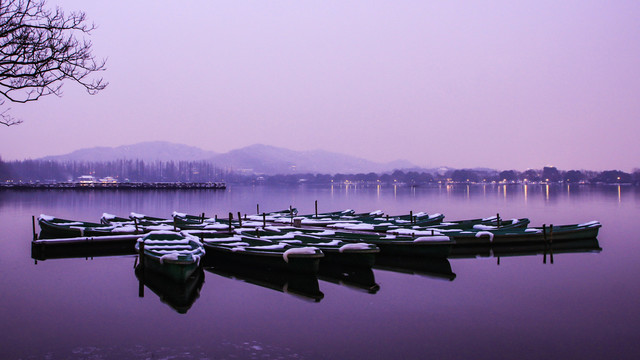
(260, 159)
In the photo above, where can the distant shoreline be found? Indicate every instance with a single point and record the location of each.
(117, 186)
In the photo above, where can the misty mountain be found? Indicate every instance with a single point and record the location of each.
(263, 159)
(274, 160)
(147, 151)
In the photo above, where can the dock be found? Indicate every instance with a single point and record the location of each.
(117, 186)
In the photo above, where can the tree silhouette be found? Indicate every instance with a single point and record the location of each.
(39, 50)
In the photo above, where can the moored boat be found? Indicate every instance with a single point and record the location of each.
(513, 235)
(170, 253)
(53, 227)
(260, 252)
(335, 250)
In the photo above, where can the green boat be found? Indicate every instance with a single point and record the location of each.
(259, 252)
(170, 253)
(521, 235)
(195, 222)
(53, 227)
(437, 245)
(141, 222)
(335, 250)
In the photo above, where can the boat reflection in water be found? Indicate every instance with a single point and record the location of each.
(44, 250)
(180, 296)
(303, 286)
(352, 276)
(547, 250)
(435, 267)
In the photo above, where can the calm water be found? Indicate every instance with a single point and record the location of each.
(583, 305)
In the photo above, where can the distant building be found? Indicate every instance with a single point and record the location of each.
(108, 180)
(86, 180)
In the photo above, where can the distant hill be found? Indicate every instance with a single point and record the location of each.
(257, 158)
(147, 151)
(274, 160)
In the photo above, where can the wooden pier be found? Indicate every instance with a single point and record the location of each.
(117, 186)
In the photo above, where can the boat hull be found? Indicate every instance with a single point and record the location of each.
(302, 263)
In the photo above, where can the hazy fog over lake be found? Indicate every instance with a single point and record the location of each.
(507, 85)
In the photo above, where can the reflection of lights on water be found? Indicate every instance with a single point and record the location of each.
(332, 188)
(378, 190)
(525, 192)
(468, 192)
(547, 191)
(395, 190)
(505, 191)
(619, 193)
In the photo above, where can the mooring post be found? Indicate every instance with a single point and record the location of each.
(291, 213)
(411, 215)
(316, 208)
(264, 220)
(498, 219)
(141, 254)
(544, 233)
(230, 219)
(257, 208)
(551, 234)
(33, 227)
(258, 232)
(239, 219)
(135, 222)
(202, 219)
(498, 260)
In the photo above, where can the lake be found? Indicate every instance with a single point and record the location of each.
(580, 301)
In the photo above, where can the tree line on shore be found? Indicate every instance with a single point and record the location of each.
(203, 171)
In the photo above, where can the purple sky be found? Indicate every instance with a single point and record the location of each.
(501, 84)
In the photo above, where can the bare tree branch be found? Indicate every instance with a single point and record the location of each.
(40, 49)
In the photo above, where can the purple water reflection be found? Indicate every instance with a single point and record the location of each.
(584, 305)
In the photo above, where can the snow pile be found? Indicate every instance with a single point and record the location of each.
(590, 223)
(270, 247)
(484, 227)
(334, 242)
(171, 256)
(299, 251)
(432, 238)
(358, 226)
(354, 247)
(108, 216)
(485, 233)
(160, 227)
(124, 229)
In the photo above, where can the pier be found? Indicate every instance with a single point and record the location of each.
(117, 186)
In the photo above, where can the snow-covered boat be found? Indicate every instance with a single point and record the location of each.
(53, 227)
(170, 253)
(335, 250)
(511, 235)
(259, 252)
